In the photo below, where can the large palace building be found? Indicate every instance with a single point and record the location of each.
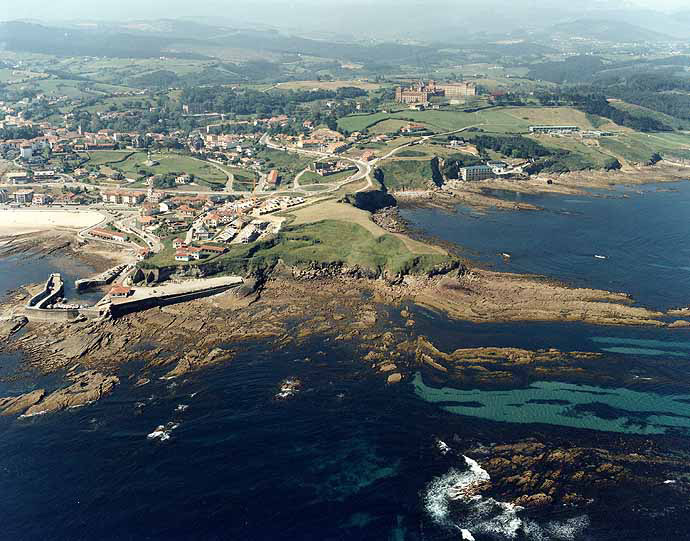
(421, 93)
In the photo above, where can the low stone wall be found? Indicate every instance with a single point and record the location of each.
(44, 314)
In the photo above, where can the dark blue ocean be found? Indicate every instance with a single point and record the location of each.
(349, 457)
(643, 233)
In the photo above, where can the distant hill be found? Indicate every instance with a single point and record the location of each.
(576, 69)
(36, 38)
(607, 30)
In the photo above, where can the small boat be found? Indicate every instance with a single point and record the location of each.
(600, 256)
(506, 255)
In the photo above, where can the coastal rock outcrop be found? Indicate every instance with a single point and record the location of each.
(195, 361)
(490, 366)
(14, 405)
(88, 387)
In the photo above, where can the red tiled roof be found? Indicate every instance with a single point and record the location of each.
(120, 290)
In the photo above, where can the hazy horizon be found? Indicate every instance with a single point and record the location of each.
(288, 12)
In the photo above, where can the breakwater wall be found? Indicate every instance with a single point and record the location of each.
(102, 279)
(136, 305)
(54, 287)
(52, 314)
(37, 307)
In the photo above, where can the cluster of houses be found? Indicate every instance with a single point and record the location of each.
(185, 252)
(320, 140)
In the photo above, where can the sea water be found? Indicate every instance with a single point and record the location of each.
(348, 457)
(642, 233)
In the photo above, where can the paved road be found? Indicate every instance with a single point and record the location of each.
(363, 168)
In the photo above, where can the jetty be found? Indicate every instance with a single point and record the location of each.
(123, 300)
(103, 279)
(53, 290)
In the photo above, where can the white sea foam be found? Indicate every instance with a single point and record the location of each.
(162, 432)
(487, 516)
(443, 447)
(452, 486)
(467, 535)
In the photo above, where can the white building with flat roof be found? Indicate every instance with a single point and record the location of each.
(26, 152)
(476, 172)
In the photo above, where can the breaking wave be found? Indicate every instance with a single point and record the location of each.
(451, 502)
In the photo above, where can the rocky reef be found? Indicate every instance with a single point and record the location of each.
(87, 387)
(534, 473)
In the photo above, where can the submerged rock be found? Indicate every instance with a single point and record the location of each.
(162, 432)
(534, 500)
(194, 361)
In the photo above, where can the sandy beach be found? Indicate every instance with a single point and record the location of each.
(18, 221)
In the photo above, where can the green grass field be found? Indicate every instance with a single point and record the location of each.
(131, 163)
(406, 174)
(119, 103)
(388, 126)
(675, 123)
(583, 156)
(639, 147)
(327, 241)
(107, 157)
(288, 164)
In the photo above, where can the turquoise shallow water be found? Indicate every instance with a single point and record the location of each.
(577, 406)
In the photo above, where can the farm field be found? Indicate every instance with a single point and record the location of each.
(132, 163)
(639, 147)
(327, 85)
(313, 178)
(499, 120)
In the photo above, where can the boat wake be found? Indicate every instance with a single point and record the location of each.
(452, 501)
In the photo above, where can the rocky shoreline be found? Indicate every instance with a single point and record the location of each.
(292, 305)
(478, 196)
(370, 314)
